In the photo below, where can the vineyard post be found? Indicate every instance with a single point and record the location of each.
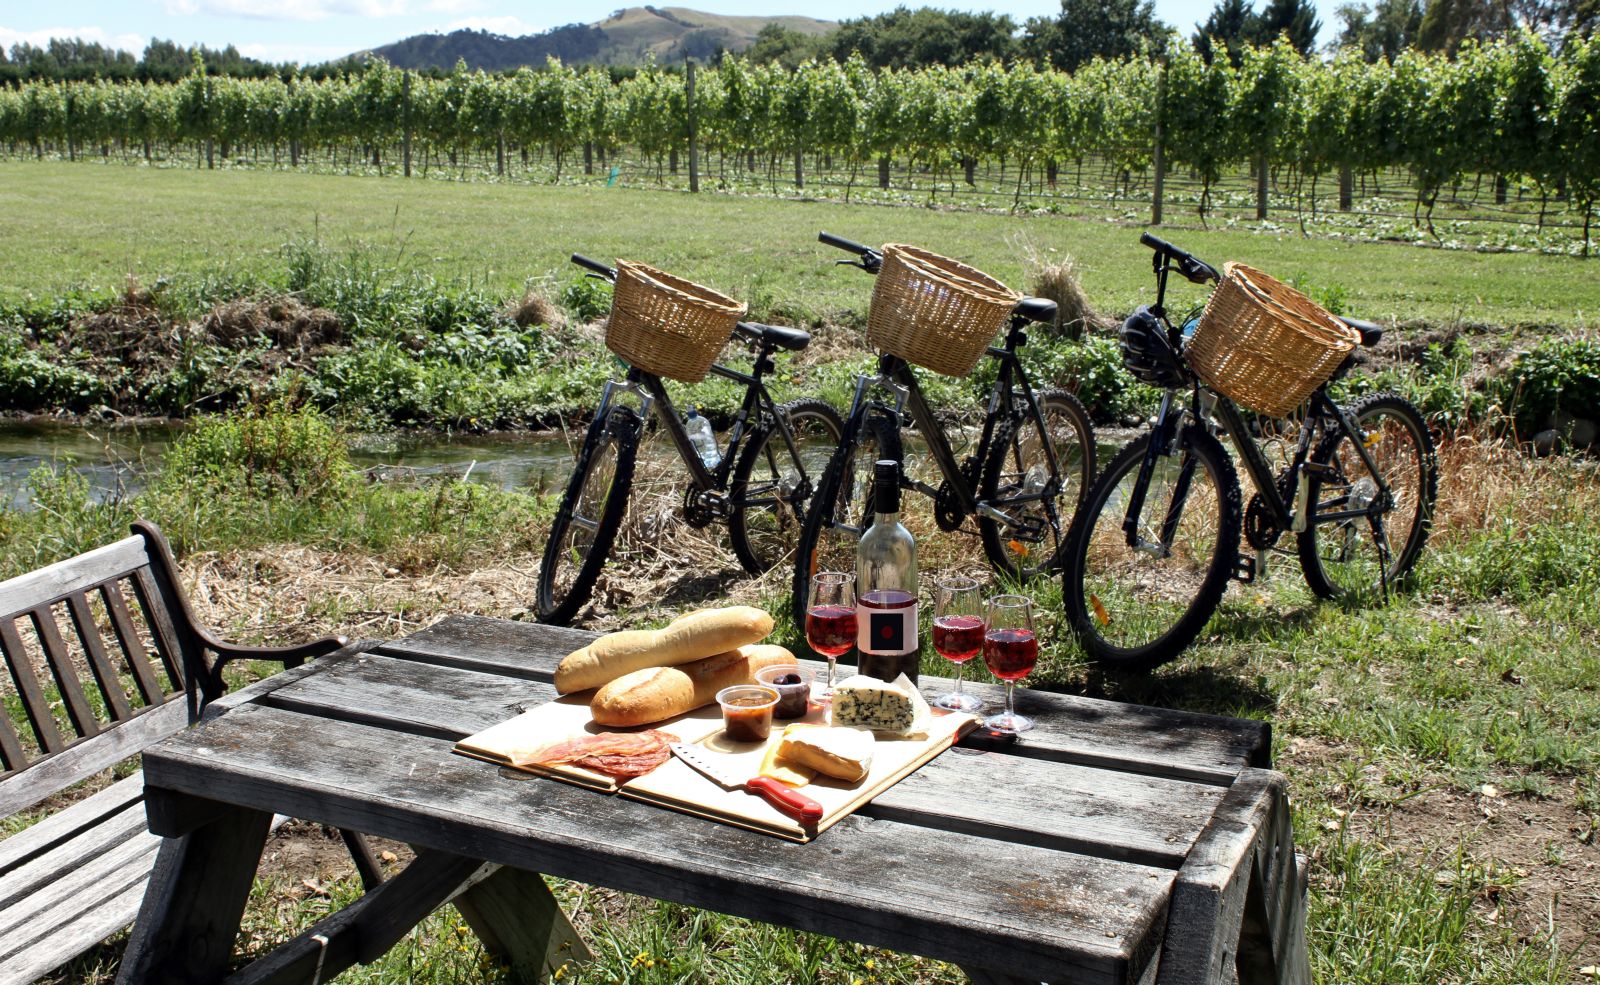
(694, 131)
(1347, 188)
(405, 121)
(1261, 186)
(1158, 155)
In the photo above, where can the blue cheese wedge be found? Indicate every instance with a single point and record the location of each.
(866, 702)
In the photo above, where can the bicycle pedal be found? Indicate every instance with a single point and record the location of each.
(1244, 568)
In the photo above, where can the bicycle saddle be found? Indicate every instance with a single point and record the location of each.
(793, 339)
(1371, 332)
(1041, 310)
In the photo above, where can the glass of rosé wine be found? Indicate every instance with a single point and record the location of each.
(957, 633)
(831, 618)
(1010, 650)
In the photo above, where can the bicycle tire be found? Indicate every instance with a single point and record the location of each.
(758, 550)
(619, 432)
(1314, 563)
(823, 510)
(1075, 489)
(1088, 615)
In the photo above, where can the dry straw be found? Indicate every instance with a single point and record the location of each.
(667, 325)
(935, 312)
(1265, 345)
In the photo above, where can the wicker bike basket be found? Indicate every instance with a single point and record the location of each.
(667, 325)
(1265, 345)
(934, 311)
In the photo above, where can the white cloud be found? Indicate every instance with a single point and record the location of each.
(126, 42)
(290, 10)
(305, 54)
(452, 6)
(509, 25)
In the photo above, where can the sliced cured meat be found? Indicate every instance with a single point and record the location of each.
(619, 754)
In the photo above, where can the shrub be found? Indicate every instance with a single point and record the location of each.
(261, 450)
(587, 299)
(1091, 368)
(1558, 377)
(38, 379)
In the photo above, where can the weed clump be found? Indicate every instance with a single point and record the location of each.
(262, 451)
(1057, 280)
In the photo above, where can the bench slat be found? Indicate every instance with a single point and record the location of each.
(90, 756)
(105, 675)
(33, 702)
(939, 893)
(158, 610)
(63, 825)
(132, 646)
(49, 947)
(81, 888)
(66, 857)
(56, 581)
(66, 675)
(12, 756)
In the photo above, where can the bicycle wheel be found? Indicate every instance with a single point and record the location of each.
(1341, 558)
(767, 505)
(1017, 466)
(840, 508)
(586, 523)
(1136, 608)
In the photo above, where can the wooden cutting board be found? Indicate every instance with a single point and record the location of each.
(677, 786)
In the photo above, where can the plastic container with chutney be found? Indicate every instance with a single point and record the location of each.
(747, 711)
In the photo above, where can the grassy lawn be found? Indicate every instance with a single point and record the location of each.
(1440, 748)
(88, 225)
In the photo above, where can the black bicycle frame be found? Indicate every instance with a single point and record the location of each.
(898, 374)
(757, 403)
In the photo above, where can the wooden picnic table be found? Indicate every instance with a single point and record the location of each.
(1113, 844)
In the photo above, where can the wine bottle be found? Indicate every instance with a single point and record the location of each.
(886, 586)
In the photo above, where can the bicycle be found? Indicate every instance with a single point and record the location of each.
(1032, 463)
(1149, 557)
(759, 486)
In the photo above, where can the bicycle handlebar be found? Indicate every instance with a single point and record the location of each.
(869, 259)
(840, 243)
(1194, 269)
(609, 273)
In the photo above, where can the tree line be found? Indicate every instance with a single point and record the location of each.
(1507, 109)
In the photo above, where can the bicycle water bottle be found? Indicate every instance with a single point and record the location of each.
(703, 440)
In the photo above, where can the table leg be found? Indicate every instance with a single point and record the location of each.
(189, 920)
(519, 921)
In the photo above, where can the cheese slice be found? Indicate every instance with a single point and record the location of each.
(866, 702)
(842, 753)
(791, 774)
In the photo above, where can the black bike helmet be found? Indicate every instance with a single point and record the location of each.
(1148, 353)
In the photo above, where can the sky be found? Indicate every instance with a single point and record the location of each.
(319, 30)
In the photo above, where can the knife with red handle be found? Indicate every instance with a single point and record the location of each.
(788, 801)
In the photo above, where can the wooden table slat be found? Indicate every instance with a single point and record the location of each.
(1089, 731)
(1013, 907)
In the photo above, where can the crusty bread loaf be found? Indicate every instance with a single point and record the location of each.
(694, 636)
(657, 693)
(840, 752)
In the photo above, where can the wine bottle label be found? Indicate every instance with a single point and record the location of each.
(886, 631)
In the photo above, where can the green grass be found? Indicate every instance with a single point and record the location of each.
(88, 226)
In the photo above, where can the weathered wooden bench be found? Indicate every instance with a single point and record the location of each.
(99, 648)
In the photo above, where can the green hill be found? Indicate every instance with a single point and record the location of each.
(625, 38)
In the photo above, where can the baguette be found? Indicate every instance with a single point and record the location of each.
(658, 693)
(694, 636)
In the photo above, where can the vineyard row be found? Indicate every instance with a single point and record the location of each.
(1513, 109)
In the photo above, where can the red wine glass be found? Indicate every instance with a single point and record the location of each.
(957, 633)
(831, 618)
(1010, 649)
